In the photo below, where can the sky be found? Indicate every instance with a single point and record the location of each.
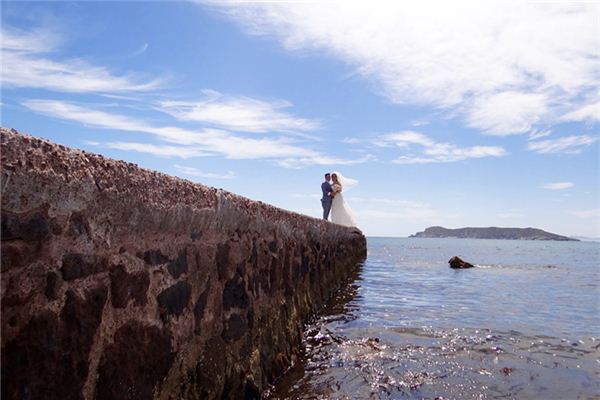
(447, 113)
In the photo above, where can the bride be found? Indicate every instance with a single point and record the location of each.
(340, 211)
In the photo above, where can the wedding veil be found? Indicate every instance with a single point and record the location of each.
(346, 182)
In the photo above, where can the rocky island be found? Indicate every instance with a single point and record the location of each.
(124, 283)
(490, 233)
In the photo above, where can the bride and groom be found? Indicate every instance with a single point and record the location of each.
(333, 199)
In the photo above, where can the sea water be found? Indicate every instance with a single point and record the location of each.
(523, 324)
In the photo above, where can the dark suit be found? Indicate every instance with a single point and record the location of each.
(326, 199)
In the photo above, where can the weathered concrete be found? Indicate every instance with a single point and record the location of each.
(124, 283)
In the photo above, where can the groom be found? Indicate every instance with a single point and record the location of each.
(327, 196)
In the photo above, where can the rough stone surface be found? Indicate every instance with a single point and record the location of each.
(124, 283)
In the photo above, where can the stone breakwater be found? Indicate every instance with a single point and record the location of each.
(125, 283)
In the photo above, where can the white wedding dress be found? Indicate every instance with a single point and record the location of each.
(341, 213)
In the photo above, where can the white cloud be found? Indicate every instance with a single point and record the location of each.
(591, 213)
(201, 142)
(322, 159)
(507, 113)
(557, 185)
(141, 50)
(432, 151)
(589, 112)
(191, 171)
(239, 113)
(538, 133)
(26, 63)
(419, 122)
(156, 150)
(568, 144)
(504, 66)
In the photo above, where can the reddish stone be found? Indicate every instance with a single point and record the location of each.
(133, 366)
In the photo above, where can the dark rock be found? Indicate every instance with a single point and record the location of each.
(235, 327)
(507, 370)
(199, 310)
(210, 370)
(179, 265)
(154, 257)
(53, 283)
(32, 227)
(223, 260)
(234, 294)
(251, 392)
(78, 225)
(254, 256)
(135, 364)
(76, 265)
(49, 357)
(273, 246)
(196, 234)
(174, 299)
(35, 228)
(125, 286)
(456, 263)
(15, 255)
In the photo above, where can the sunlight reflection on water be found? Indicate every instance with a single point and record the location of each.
(524, 326)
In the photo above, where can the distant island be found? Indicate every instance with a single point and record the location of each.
(490, 233)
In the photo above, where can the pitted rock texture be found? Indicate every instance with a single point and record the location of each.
(124, 283)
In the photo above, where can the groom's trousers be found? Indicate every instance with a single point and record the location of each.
(326, 203)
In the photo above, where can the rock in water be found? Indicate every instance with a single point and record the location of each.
(456, 263)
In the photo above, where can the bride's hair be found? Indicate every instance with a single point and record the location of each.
(343, 181)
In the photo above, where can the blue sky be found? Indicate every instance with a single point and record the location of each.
(453, 114)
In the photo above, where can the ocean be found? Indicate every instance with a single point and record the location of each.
(523, 324)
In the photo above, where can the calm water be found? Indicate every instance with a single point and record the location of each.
(524, 324)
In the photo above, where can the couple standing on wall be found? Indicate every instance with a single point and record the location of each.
(333, 200)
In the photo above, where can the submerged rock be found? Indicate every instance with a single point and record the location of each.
(457, 263)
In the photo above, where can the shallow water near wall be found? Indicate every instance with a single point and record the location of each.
(524, 324)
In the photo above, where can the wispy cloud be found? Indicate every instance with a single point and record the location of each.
(568, 144)
(431, 151)
(210, 141)
(591, 213)
(26, 63)
(200, 142)
(239, 113)
(587, 112)
(141, 50)
(192, 171)
(508, 112)
(322, 159)
(504, 66)
(538, 133)
(159, 150)
(557, 185)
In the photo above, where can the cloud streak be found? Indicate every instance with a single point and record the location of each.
(26, 63)
(431, 151)
(573, 144)
(191, 171)
(239, 113)
(557, 185)
(189, 143)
